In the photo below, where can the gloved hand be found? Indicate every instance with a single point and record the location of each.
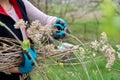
(59, 35)
(61, 25)
(28, 63)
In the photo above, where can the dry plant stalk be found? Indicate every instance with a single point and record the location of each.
(104, 47)
(10, 54)
(41, 35)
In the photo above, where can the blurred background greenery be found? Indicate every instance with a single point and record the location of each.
(87, 19)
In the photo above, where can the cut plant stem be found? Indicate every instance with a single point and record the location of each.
(5, 26)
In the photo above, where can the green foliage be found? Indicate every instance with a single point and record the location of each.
(25, 45)
(86, 31)
(110, 22)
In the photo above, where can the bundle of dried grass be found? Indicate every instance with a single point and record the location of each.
(10, 53)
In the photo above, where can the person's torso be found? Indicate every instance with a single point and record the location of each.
(10, 21)
(10, 18)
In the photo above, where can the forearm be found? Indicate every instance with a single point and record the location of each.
(34, 13)
(14, 70)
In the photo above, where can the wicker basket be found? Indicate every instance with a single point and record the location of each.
(10, 53)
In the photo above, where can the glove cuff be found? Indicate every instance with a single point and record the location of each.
(21, 69)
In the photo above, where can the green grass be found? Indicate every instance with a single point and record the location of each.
(76, 72)
(85, 31)
(88, 31)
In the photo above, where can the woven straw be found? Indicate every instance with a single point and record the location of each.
(10, 53)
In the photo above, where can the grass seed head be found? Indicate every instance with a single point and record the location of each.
(20, 24)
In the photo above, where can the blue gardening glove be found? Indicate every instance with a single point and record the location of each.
(61, 25)
(59, 35)
(28, 63)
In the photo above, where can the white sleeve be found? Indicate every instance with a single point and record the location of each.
(34, 13)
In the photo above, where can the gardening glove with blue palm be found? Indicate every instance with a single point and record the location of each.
(61, 25)
(28, 63)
